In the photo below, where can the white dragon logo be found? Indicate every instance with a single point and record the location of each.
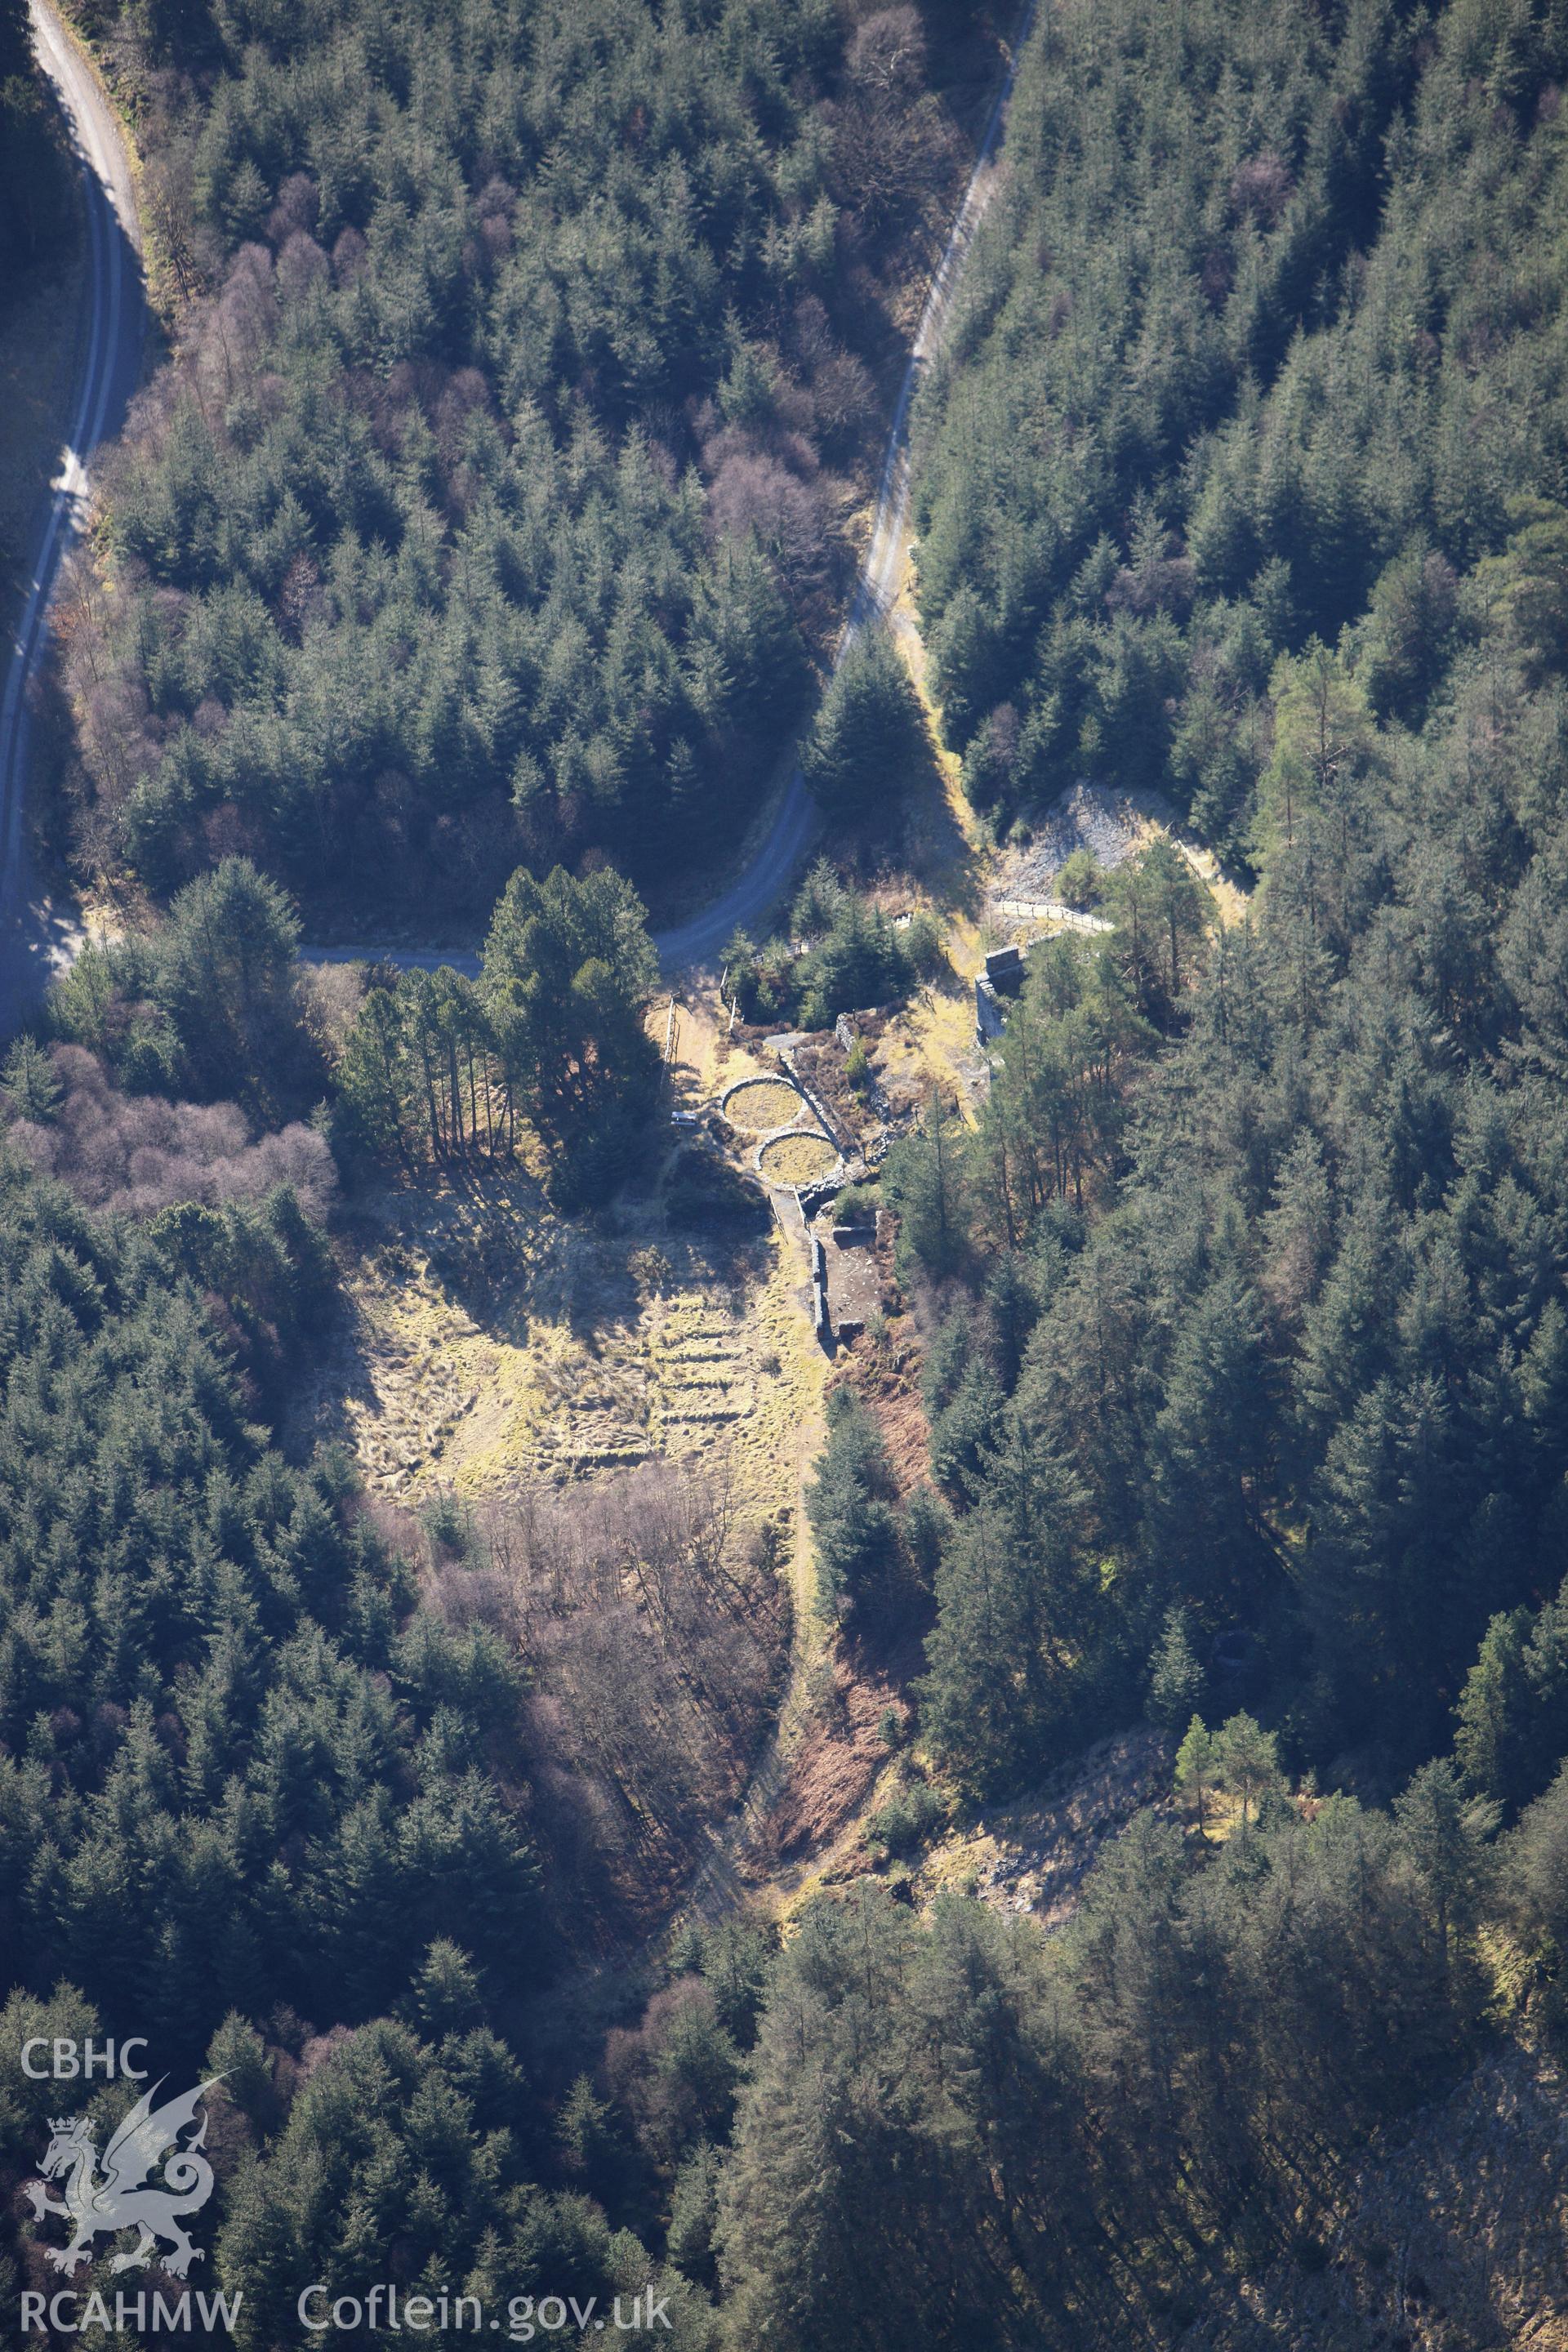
(120, 2200)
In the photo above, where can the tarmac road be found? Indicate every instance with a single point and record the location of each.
(38, 935)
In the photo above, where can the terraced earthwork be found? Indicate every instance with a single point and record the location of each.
(702, 1374)
(759, 1105)
(798, 1158)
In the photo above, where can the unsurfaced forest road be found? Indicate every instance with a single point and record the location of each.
(38, 935)
(701, 942)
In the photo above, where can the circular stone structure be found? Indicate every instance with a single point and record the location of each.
(800, 1157)
(759, 1105)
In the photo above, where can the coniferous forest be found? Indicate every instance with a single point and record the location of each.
(471, 556)
(497, 496)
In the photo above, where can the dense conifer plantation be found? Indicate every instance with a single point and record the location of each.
(234, 1753)
(1270, 1227)
(1265, 331)
(498, 473)
(1244, 1299)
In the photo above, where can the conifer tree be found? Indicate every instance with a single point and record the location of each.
(29, 1084)
(1175, 1677)
(1196, 1767)
(925, 1178)
(868, 735)
(1247, 1762)
(853, 1524)
(1492, 1709)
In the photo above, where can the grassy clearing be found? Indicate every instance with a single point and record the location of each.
(488, 1342)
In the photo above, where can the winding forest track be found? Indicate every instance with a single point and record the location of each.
(717, 1886)
(38, 936)
(701, 940)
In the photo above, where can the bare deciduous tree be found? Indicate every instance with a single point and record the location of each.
(141, 1154)
(652, 1633)
(755, 490)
